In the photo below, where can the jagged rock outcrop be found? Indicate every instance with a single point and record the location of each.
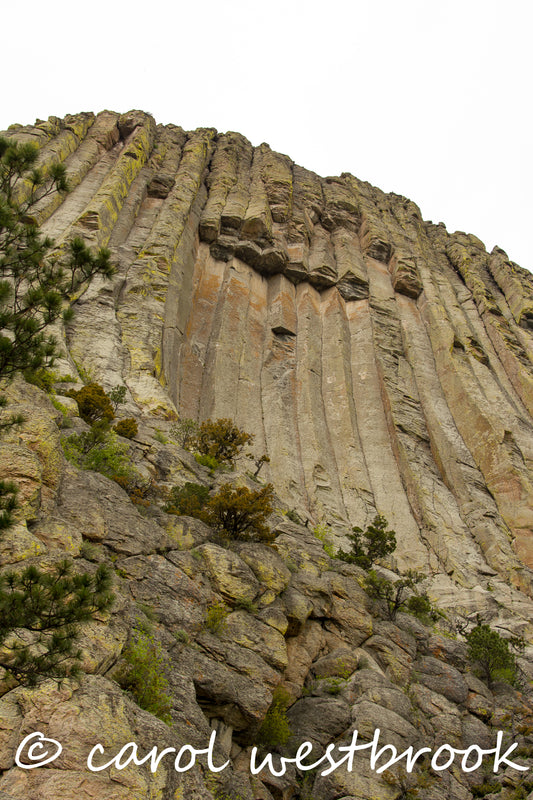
(383, 365)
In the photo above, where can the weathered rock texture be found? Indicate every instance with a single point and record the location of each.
(382, 363)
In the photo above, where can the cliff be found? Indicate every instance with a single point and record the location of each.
(383, 364)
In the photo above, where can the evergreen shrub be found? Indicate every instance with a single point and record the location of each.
(127, 428)
(188, 500)
(93, 403)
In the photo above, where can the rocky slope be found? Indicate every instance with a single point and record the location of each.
(383, 365)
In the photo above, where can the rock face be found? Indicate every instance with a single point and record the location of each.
(383, 365)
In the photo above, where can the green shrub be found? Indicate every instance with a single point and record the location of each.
(207, 461)
(64, 411)
(241, 513)
(491, 653)
(93, 403)
(90, 551)
(306, 784)
(183, 432)
(369, 545)
(127, 428)
(393, 594)
(117, 395)
(522, 791)
(99, 450)
(8, 503)
(246, 605)
(43, 378)
(77, 446)
(150, 614)
(188, 500)
(421, 607)
(219, 792)
(144, 675)
(51, 604)
(258, 462)
(86, 375)
(111, 459)
(215, 618)
(140, 491)
(321, 532)
(221, 439)
(121, 572)
(483, 789)
(276, 730)
(293, 516)
(334, 686)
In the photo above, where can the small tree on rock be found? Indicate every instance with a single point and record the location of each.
(184, 432)
(264, 459)
(241, 513)
(93, 403)
(188, 500)
(393, 594)
(369, 545)
(117, 396)
(420, 606)
(221, 439)
(492, 654)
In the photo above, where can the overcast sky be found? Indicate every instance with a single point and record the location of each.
(427, 99)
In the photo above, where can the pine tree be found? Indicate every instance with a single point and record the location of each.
(369, 545)
(492, 654)
(35, 286)
(393, 594)
(8, 503)
(40, 613)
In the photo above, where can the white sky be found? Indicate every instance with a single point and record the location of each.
(428, 99)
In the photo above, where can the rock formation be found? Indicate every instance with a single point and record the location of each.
(382, 364)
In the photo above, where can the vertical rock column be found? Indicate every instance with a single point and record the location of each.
(151, 302)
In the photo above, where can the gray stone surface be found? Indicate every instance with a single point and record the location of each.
(381, 363)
